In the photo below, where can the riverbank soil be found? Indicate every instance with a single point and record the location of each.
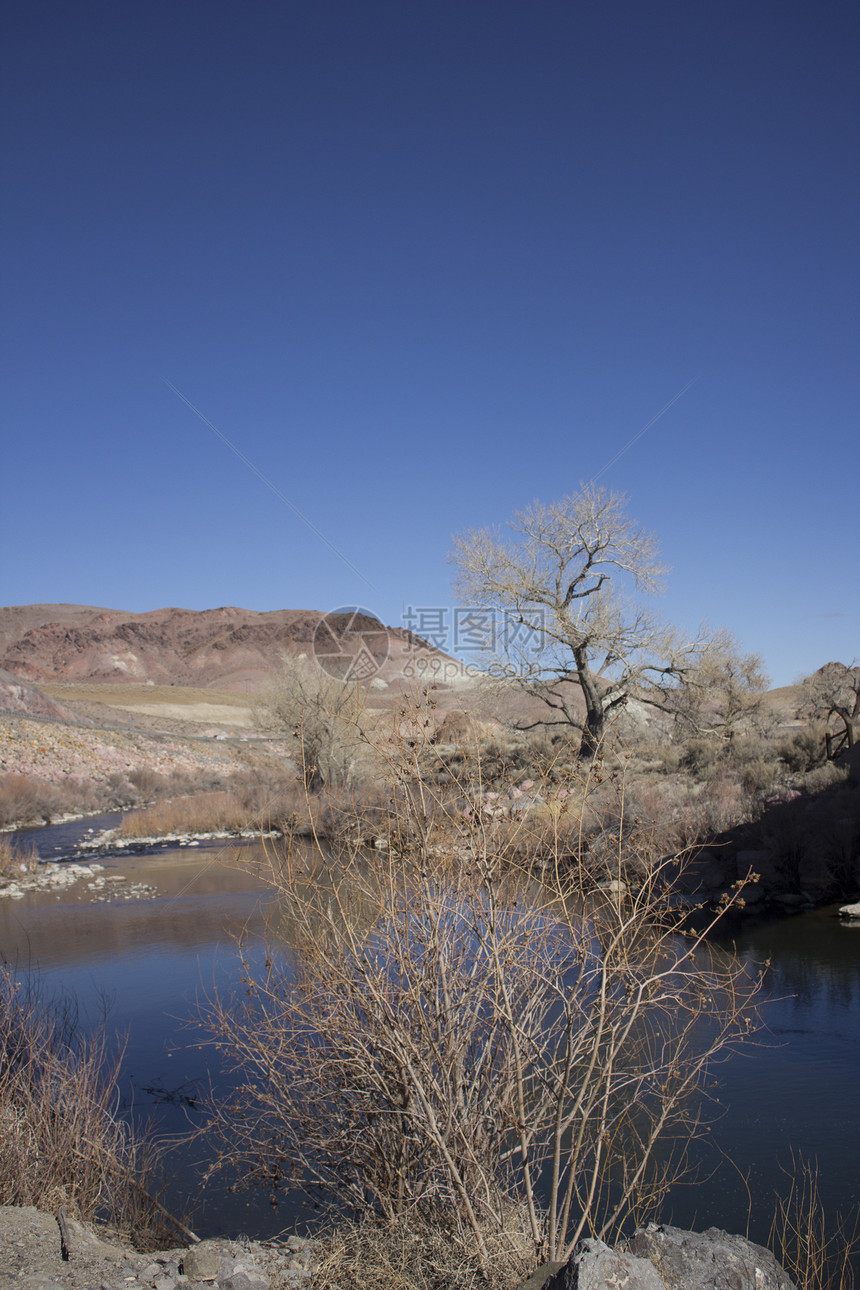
(41, 1252)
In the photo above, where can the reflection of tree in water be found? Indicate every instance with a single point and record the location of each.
(185, 1094)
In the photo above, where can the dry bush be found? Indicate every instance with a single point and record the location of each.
(23, 797)
(803, 750)
(146, 780)
(395, 1256)
(471, 1038)
(17, 860)
(816, 1253)
(328, 719)
(200, 813)
(26, 798)
(682, 813)
(788, 833)
(830, 775)
(62, 1141)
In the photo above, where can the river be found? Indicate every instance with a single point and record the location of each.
(794, 1089)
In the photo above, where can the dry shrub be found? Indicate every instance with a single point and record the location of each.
(146, 781)
(830, 775)
(447, 1030)
(24, 797)
(683, 813)
(402, 1256)
(803, 750)
(199, 813)
(788, 832)
(816, 1253)
(15, 861)
(838, 825)
(61, 1139)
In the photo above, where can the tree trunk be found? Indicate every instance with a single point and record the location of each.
(595, 715)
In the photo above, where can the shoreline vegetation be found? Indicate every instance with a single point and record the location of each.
(487, 975)
(773, 805)
(450, 849)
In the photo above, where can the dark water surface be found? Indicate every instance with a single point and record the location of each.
(58, 841)
(797, 1088)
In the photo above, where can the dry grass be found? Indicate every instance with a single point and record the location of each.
(816, 1254)
(61, 1139)
(403, 1256)
(211, 706)
(15, 861)
(217, 812)
(250, 803)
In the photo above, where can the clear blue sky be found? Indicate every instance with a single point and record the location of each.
(423, 263)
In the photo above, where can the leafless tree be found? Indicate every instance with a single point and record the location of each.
(442, 1037)
(564, 626)
(325, 715)
(724, 696)
(832, 695)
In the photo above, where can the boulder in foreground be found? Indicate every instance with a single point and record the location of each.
(659, 1257)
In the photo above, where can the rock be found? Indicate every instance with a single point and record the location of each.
(296, 1244)
(539, 1279)
(594, 1266)
(711, 1260)
(250, 1279)
(202, 1262)
(757, 861)
(659, 1257)
(753, 893)
(850, 911)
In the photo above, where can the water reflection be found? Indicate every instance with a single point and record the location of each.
(796, 1091)
(151, 959)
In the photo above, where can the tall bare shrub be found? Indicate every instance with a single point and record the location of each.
(450, 1031)
(62, 1141)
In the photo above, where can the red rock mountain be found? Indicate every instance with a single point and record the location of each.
(227, 649)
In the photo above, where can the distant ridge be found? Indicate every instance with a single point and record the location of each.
(226, 648)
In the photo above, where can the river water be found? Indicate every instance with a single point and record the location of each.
(794, 1090)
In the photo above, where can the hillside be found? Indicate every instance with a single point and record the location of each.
(27, 700)
(227, 649)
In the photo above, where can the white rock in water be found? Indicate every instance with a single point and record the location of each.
(850, 911)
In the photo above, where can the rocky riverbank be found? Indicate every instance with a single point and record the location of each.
(41, 1252)
(50, 770)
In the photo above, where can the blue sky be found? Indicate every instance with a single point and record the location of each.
(423, 263)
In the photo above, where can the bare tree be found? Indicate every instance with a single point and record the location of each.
(832, 695)
(563, 625)
(325, 715)
(724, 696)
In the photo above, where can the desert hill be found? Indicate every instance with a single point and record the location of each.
(198, 672)
(26, 700)
(226, 649)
